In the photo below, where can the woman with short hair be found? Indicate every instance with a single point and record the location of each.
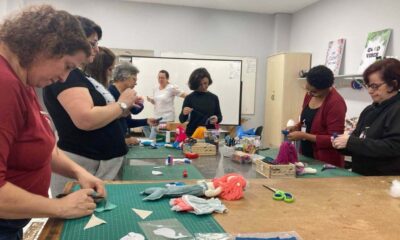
(323, 115)
(202, 105)
(374, 146)
(163, 99)
(36, 56)
(124, 77)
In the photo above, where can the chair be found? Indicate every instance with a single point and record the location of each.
(258, 131)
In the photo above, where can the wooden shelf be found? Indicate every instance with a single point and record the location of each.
(346, 76)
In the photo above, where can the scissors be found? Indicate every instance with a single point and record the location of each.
(280, 195)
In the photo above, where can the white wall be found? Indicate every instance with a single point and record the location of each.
(182, 29)
(316, 25)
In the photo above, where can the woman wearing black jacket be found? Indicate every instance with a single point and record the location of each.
(201, 107)
(375, 143)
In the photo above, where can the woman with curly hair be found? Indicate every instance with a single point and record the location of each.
(38, 47)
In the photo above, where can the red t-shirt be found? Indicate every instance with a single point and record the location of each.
(26, 138)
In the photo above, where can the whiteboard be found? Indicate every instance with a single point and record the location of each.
(226, 76)
(249, 76)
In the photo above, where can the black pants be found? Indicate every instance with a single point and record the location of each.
(12, 229)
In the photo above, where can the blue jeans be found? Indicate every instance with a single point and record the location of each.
(12, 229)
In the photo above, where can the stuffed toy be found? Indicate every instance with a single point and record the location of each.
(180, 136)
(228, 187)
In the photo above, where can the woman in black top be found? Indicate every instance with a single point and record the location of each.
(87, 119)
(375, 143)
(201, 107)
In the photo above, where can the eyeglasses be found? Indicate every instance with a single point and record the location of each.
(94, 44)
(375, 86)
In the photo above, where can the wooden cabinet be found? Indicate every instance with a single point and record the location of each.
(284, 93)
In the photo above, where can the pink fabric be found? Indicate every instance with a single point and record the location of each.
(179, 205)
(287, 154)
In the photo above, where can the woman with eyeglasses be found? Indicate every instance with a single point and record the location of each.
(323, 115)
(375, 143)
(86, 117)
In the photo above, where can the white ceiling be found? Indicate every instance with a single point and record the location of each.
(257, 6)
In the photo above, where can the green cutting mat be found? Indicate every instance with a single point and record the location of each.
(140, 152)
(313, 163)
(169, 172)
(123, 220)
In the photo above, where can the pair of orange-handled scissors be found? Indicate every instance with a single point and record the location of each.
(280, 195)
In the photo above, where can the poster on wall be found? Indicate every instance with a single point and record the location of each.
(334, 55)
(375, 48)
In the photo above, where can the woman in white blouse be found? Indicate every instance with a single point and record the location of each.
(163, 99)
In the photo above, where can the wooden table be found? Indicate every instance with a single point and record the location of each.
(329, 208)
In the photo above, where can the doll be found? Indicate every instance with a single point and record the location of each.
(228, 187)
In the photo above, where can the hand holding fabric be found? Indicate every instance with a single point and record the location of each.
(340, 142)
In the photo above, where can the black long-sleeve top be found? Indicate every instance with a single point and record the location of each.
(375, 143)
(205, 105)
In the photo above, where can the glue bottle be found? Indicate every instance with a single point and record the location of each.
(167, 137)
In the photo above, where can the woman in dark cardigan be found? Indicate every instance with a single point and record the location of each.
(375, 143)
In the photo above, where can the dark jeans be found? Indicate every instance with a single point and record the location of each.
(12, 229)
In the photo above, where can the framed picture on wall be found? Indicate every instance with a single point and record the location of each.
(375, 48)
(334, 55)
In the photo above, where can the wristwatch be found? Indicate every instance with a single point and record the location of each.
(123, 106)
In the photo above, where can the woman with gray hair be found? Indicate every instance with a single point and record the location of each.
(125, 76)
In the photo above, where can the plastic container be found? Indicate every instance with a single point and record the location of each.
(227, 151)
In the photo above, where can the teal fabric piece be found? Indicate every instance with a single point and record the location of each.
(105, 206)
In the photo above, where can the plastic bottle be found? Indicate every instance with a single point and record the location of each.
(167, 137)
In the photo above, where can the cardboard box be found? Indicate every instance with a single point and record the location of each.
(275, 171)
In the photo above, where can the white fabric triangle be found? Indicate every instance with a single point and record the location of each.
(142, 213)
(94, 221)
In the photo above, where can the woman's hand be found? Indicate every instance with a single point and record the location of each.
(150, 100)
(340, 142)
(152, 122)
(293, 128)
(213, 119)
(129, 96)
(296, 135)
(76, 204)
(87, 180)
(139, 100)
(132, 141)
(187, 110)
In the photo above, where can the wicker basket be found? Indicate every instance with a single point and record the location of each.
(275, 171)
(201, 148)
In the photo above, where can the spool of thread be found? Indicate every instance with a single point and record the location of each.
(167, 136)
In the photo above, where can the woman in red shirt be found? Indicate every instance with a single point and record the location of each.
(323, 116)
(38, 47)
